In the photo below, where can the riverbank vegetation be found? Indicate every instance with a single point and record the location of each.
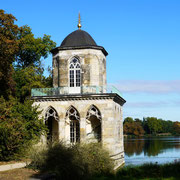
(150, 126)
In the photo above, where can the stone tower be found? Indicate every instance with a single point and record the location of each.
(81, 107)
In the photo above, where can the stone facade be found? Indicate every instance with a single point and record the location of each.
(79, 107)
(93, 67)
(110, 108)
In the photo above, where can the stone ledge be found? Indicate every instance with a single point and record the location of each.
(74, 97)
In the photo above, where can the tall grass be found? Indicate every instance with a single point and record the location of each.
(150, 171)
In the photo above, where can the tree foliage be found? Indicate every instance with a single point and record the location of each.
(26, 79)
(176, 127)
(8, 48)
(150, 125)
(32, 49)
(20, 70)
(19, 127)
(133, 128)
(19, 48)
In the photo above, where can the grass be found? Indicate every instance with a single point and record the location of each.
(18, 174)
(144, 172)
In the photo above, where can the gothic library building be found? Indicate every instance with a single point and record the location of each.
(81, 107)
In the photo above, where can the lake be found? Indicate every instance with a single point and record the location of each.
(157, 149)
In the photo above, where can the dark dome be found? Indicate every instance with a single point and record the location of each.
(78, 38)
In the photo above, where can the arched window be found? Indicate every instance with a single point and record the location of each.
(93, 123)
(74, 73)
(51, 121)
(73, 116)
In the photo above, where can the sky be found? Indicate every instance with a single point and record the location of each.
(142, 38)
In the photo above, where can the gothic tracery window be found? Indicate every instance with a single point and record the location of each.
(75, 73)
(94, 118)
(74, 118)
(51, 112)
(51, 121)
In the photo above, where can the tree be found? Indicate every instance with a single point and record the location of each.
(152, 125)
(133, 128)
(26, 79)
(128, 119)
(20, 69)
(20, 125)
(32, 49)
(138, 121)
(8, 48)
(176, 127)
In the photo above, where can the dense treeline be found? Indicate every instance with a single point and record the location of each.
(150, 126)
(21, 69)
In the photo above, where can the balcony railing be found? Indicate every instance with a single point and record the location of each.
(66, 91)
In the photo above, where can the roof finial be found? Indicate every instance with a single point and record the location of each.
(79, 21)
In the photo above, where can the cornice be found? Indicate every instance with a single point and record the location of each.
(79, 97)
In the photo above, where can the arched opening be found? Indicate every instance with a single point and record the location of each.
(74, 76)
(51, 121)
(73, 126)
(93, 124)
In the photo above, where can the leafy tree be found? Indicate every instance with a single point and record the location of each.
(8, 48)
(133, 128)
(20, 70)
(176, 127)
(19, 127)
(167, 126)
(138, 121)
(152, 125)
(128, 119)
(32, 49)
(26, 79)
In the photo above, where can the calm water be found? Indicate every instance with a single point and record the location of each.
(159, 149)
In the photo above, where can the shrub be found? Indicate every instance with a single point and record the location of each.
(80, 161)
(20, 126)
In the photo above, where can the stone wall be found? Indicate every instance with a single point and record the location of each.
(111, 121)
(93, 67)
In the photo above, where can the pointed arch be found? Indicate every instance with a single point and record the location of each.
(52, 123)
(72, 113)
(51, 112)
(93, 111)
(73, 127)
(93, 124)
(74, 72)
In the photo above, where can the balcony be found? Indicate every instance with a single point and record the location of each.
(60, 91)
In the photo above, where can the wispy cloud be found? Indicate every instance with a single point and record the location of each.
(147, 104)
(141, 86)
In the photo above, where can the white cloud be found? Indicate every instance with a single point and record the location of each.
(146, 104)
(142, 86)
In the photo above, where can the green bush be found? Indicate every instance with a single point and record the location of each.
(80, 161)
(20, 126)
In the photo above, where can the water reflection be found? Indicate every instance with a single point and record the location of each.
(150, 149)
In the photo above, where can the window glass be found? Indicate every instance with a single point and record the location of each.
(75, 73)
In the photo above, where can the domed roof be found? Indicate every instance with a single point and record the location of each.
(78, 38)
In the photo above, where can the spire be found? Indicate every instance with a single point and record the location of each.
(79, 21)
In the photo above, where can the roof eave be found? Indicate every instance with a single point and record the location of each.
(55, 50)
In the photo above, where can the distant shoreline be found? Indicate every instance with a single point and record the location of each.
(151, 135)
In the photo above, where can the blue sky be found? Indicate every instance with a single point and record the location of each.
(142, 38)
